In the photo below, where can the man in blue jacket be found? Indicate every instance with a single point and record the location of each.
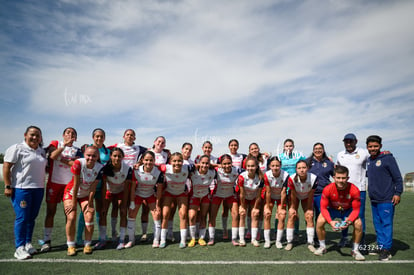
(385, 186)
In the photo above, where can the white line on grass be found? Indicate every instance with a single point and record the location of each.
(203, 262)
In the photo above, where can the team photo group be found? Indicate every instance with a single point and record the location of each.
(95, 181)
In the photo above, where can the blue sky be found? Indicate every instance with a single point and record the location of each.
(258, 71)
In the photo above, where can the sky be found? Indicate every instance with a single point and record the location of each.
(257, 71)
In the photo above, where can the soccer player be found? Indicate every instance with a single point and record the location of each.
(98, 136)
(147, 186)
(227, 176)
(249, 185)
(340, 199)
(117, 177)
(254, 151)
(385, 186)
(132, 152)
(276, 182)
(24, 182)
(355, 159)
(87, 172)
(289, 158)
(202, 182)
(321, 166)
(302, 190)
(62, 155)
(175, 193)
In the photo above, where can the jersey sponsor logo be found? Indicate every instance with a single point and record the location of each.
(324, 165)
(23, 204)
(378, 163)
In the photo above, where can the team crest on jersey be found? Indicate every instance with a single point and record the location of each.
(378, 163)
(23, 204)
(357, 156)
(324, 165)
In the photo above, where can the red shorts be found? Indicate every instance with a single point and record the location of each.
(54, 192)
(110, 196)
(197, 201)
(168, 194)
(68, 196)
(228, 200)
(140, 200)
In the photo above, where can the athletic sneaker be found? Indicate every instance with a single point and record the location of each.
(210, 242)
(129, 244)
(344, 242)
(21, 253)
(357, 255)
(171, 239)
(192, 243)
(100, 245)
(311, 247)
(155, 244)
(266, 245)
(248, 235)
(279, 245)
(235, 243)
(182, 245)
(163, 245)
(255, 243)
(384, 255)
(225, 235)
(46, 247)
(30, 249)
(87, 249)
(71, 251)
(258, 236)
(202, 242)
(320, 251)
(144, 238)
(242, 243)
(120, 246)
(289, 246)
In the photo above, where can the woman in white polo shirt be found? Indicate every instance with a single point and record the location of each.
(24, 179)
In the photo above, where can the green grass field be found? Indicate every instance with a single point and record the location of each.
(221, 258)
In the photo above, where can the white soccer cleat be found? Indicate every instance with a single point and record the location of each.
(289, 247)
(279, 245)
(357, 255)
(320, 251)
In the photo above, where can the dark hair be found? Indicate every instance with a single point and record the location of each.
(324, 156)
(273, 159)
(289, 140)
(208, 142)
(301, 161)
(341, 170)
(67, 128)
(258, 172)
(37, 128)
(223, 157)
(177, 154)
(109, 167)
(129, 130)
(204, 156)
(96, 130)
(235, 140)
(148, 152)
(153, 146)
(374, 138)
(185, 144)
(260, 155)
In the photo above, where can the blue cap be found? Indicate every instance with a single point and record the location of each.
(350, 136)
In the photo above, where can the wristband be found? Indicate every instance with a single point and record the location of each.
(7, 187)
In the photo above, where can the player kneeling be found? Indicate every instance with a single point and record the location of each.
(340, 199)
